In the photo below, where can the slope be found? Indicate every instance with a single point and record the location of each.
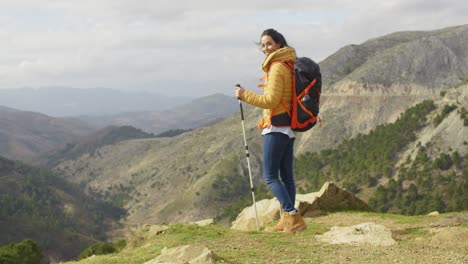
(36, 204)
(27, 135)
(184, 115)
(372, 83)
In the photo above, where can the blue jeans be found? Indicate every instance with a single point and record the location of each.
(278, 162)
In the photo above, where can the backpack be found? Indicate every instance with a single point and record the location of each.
(307, 85)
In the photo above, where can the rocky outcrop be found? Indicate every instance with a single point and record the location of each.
(330, 197)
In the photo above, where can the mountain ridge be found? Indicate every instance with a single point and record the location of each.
(24, 134)
(66, 101)
(432, 59)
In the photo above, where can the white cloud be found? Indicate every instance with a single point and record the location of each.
(205, 45)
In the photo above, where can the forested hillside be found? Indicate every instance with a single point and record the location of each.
(418, 186)
(36, 204)
(368, 166)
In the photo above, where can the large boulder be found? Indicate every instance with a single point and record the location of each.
(330, 197)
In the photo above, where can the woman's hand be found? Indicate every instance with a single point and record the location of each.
(238, 91)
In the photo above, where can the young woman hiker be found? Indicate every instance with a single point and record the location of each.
(278, 138)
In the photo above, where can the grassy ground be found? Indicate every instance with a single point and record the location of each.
(418, 241)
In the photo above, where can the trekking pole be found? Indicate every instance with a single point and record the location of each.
(248, 161)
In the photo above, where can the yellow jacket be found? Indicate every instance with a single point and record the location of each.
(277, 91)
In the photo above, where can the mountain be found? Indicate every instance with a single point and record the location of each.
(35, 137)
(36, 204)
(372, 83)
(420, 61)
(66, 101)
(26, 135)
(160, 175)
(202, 173)
(183, 115)
(191, 176)
(90, 143)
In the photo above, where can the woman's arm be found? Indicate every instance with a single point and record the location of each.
(272, 92)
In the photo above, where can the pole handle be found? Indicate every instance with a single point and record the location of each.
(240, 104)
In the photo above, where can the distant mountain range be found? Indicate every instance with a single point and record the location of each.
(187, 115)
(36, 138)
(66, 101)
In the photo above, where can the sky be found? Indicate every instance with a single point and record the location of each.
(182, 47)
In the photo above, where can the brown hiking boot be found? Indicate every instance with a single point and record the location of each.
(294, 223)
(279, 227)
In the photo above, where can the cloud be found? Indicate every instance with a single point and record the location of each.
(198, 46)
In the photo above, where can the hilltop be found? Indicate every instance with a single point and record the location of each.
(416, 239)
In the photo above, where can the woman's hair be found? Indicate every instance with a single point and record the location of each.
(276, 36)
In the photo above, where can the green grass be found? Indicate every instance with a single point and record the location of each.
(230, 246)
(233, 246)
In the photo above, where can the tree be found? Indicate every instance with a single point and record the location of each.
(444, 162)
(436, 204)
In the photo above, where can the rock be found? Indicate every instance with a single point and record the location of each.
(365, 233)
(203, 222)
(267, 210)
(185, 254)
(157, 229)
(453, 220)
(433, 213)
(330, 197)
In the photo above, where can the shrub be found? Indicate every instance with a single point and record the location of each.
(102, 248)
(26, 252)
(445, 112)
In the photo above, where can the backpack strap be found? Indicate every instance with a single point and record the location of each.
(290, 66)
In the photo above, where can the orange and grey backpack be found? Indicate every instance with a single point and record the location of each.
(307, 85)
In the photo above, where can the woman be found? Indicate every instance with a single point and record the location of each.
(278, 138)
